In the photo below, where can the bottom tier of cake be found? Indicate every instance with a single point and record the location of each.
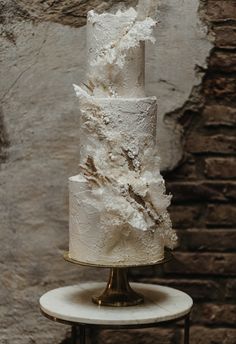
(93, 242)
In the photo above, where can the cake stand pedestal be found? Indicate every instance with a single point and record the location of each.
(118, 292)
(72, 305)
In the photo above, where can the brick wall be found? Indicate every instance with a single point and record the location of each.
(203, 209)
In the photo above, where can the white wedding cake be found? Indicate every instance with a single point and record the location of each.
(118, 205)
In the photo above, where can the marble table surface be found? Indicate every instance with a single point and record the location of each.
(73, 304)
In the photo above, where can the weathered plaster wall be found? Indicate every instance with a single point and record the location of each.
(42, 54)
(66, 12)
(173, 70)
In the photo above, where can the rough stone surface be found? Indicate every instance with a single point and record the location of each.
(202, 191)
(212, 240)
(185, 216)
(231, 290)
(210, 191)
(67, 12)
(42, 54)
(225, 37)
(220, 168)
(211, 264)
(214, 314)
(218, 10)
(216, 143)
(223, 61)
(4, 140)
(204, 335)
(202, 290)
(165, 336)
(220, 87)
(221, 215)
(219, 115)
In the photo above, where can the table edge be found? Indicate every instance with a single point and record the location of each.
(115, 325)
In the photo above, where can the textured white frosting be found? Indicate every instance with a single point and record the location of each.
(115, 54)
(94, 242)
(118, 205)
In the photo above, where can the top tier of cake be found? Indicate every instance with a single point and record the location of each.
(115, 45)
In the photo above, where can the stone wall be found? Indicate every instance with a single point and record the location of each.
(44, 40)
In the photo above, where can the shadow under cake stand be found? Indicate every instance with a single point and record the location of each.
(149, 305)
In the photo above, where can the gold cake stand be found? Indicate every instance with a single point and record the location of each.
(118, 292)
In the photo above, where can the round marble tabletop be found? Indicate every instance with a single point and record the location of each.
(73, 304)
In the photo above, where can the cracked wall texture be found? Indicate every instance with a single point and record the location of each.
(42, 54)
(66, 12)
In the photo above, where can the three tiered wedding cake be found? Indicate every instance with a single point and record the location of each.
(118, 205)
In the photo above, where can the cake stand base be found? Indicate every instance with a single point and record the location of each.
(118, 292)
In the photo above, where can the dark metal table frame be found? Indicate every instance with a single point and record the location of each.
(78, 330)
